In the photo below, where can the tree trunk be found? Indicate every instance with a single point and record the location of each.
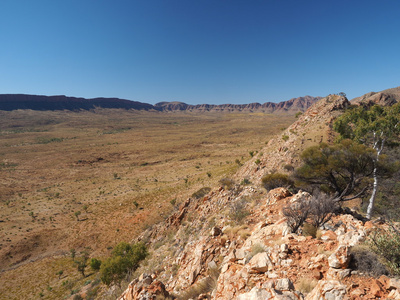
(378, 147)
(373, 195)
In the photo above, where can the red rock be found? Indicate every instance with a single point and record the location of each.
(317, 274)
(368, 225)
(376, 288)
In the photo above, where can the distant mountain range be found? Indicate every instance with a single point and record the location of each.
(10, 102)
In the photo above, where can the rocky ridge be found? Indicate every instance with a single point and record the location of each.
(386, 97)
(293, 105)
(9, 102)
(311, 128)
(204, 251)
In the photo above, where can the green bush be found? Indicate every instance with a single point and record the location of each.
(298, 114)
(275, 180)
(227, 183)
(386, 243)
(125, 257)
(238, 211)
(95, 264)
(201, 192)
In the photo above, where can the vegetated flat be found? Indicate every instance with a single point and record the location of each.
(95, 178)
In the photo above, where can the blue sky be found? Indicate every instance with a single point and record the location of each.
(198, 51)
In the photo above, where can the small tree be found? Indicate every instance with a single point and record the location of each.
(387, 245)
(125, 258)
(95, 264)
(81, 262)
(275, 180)
(373, 126)
(77, 214)
(322, 207)
(342, 169)
(297, 213)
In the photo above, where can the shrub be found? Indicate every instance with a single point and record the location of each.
(227, 183)
(256, 248)
(288, 167)
(306, 285)
(201, 192)
(322, 208)
(298, 114)
(81, 262)
(203, 286)
(366, 261)
(275, 180)
(238, 211)
(285, 137)
(296, 213)
(125, 258)
(95, 264)
(386, 244)
(245, 181)
(309, 230)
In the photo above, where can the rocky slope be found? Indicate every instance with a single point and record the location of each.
(386, 97)
(234, 243)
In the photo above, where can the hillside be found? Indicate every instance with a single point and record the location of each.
(184, 184)
(385, 97)
(9, 102)
(234, 243)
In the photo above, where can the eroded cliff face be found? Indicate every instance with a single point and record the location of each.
(292, 106)
(234, 243)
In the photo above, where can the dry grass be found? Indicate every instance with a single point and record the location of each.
(119, 169)
(305, 285)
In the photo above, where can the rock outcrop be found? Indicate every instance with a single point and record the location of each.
(386, 98)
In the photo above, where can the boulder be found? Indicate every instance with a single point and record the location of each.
(260, 263)
(340, 259)
(328, 290)
(139, 290)
(255, 294)
(215, 231)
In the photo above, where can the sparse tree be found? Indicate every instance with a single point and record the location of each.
(322, 208)
(297, 213)
(342, 169)
(95, 264)
(374, 126)
(77, 214)
(125, 257)
(81, 262)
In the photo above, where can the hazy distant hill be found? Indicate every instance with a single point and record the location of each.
(35, 102)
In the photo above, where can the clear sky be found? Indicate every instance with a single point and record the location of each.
(199, 51)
